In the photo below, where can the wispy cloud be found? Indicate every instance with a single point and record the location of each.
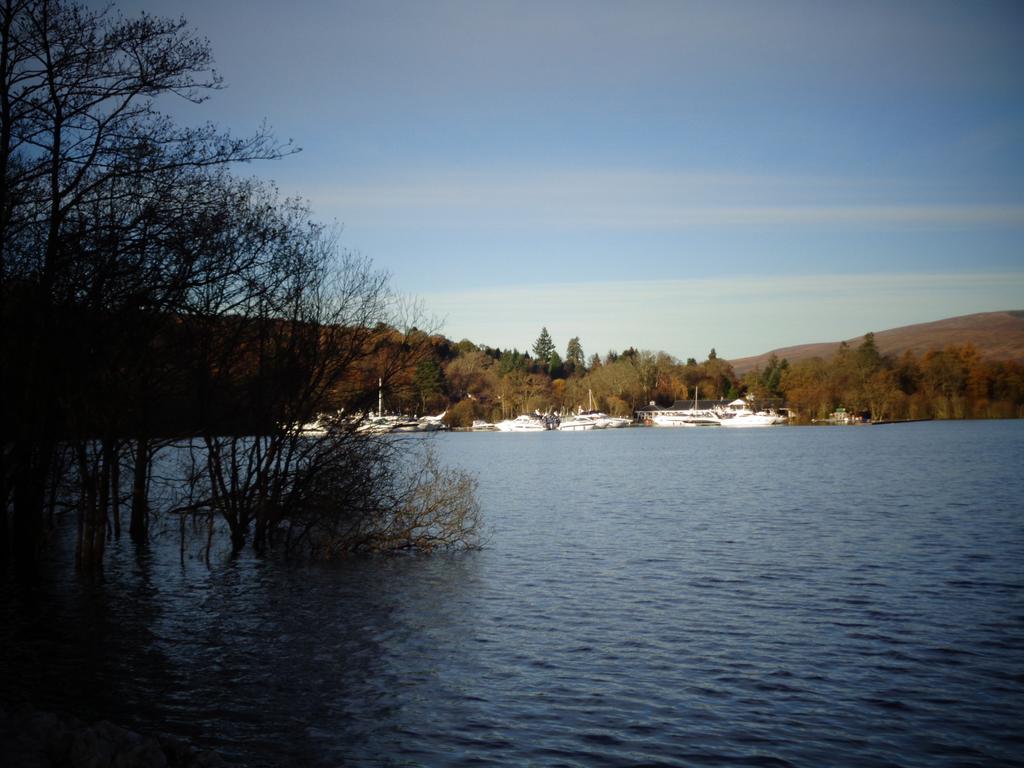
(740, 316)
(641, 200)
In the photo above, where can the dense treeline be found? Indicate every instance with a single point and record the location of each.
(479, 382)
(950, 383)
(148, 292)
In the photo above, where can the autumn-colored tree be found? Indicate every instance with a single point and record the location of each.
(472, 373)
(809, 388)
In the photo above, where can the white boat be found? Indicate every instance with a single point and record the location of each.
(689, 417)
(322, 425)
(599, 419)
(316, 428)
(527, 422)
(610, 422)
(379, 425)
(432, 423)
(406, 424)
(579, 423)
(586, 420)
(479, 425)
(738, 414)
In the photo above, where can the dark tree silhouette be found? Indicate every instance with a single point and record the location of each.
(85, 160)
(148, 294)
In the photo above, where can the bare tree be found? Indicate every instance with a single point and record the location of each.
(78, 128)
(428, 507)
(149, 294)
(288, 337)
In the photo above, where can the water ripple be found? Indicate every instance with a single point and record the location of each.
(799, 597)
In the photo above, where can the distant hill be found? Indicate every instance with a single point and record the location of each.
(996, 335)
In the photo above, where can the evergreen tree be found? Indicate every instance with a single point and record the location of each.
(511, 361)
(868, 357)
(429, 381)
(543, 347)
(574, 354)
(555, 369)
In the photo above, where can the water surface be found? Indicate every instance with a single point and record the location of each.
(788, 596)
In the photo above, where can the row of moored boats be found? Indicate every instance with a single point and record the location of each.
(374, 424)
(583, 421)
(738, 413)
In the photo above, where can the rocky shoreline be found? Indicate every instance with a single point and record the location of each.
(34, 739)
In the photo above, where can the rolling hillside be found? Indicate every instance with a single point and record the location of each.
(996, 335)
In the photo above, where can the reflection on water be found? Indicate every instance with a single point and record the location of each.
(771, 597)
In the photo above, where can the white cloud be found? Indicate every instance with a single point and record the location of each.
(641, 200)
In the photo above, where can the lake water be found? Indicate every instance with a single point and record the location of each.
(788, 596)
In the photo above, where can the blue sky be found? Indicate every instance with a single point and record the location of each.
(666, 175)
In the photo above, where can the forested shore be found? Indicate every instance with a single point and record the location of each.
(480, 382)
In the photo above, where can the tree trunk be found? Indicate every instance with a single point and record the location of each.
(139, 524)
(237, 537)
(86, 503)
(259, 537)
(99, 540)
(115, 490)
(95, 481)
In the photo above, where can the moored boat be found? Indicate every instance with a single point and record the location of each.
(578, 423)
(688, 417)
(738, 414)
(612, 422)
(527, 422)
(599, 419)
(380, 425)
(316, 428)
(432, 423)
